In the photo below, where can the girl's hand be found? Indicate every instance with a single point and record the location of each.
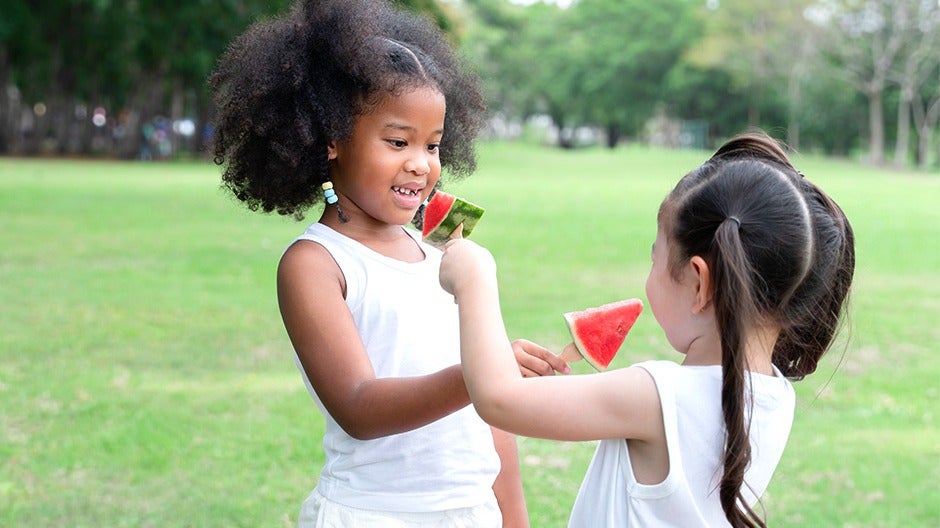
(536, 360)
(466, 265)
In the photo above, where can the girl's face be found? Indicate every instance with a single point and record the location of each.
(390, 163)
(670, 299)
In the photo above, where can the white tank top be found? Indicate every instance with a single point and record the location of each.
(691, 401)
(409, 327)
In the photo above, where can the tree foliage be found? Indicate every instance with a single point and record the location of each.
(840, 76)
(143, 60)
(630, 46)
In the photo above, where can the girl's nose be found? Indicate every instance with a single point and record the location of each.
(418, 165)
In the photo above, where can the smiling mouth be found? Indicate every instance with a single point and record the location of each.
(405, 192)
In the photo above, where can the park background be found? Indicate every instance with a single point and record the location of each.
(145, 379)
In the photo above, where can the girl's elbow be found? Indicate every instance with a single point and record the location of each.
(358, 429)
(362, 435)
(493, 409)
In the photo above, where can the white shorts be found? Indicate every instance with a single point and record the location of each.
(319, 512)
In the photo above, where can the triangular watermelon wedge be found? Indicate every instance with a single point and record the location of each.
(444, 213)
(599, 332)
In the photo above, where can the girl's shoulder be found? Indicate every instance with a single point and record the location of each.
(307, 258)
(680, 384)
(660, 367)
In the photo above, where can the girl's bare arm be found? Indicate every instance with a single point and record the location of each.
(321, 328)
(621, 403)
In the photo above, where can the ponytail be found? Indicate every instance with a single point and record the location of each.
(733, 299)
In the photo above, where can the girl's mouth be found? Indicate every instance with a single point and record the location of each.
(407, 198)
(406, 192)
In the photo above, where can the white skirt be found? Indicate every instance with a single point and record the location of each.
(319, 512)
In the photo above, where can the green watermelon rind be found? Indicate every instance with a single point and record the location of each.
(461, 211)
(572, 317)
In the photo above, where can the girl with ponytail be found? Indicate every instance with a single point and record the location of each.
(752, 266)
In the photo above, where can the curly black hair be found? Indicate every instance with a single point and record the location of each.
(289, 85)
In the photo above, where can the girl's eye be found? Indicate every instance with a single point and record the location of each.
(435, 147)
(397, 143)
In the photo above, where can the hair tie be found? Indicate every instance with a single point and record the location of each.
(735, 220)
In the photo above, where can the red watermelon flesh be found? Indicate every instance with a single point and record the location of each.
(444, 213)
(436, 210)
(599, 332)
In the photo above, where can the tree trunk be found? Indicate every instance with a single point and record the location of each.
(86, 128)
(793, 120)
(565, 139)
(926, 115)
(176, 113)
(144, 106)
(5, 132)
(904, 128)
(753, 115)
(925, 134)
(876, 126)
(202, 138)
(613, 136)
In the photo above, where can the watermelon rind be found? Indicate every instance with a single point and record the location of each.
(461, 211)
(630, 308)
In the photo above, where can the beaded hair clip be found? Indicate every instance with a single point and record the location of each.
(332, 199)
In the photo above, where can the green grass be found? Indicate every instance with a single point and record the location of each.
(145, 378)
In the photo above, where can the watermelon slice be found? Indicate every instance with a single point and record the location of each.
(599, 332)
(444, 213)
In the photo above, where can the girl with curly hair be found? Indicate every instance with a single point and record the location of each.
(752, 266)
(362, 105)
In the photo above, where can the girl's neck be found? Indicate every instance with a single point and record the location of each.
(758, 345)
(759, 349)
(386, 239)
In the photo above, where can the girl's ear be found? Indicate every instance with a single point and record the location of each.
(702, 284)
(331, 150)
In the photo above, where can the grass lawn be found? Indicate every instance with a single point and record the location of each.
(145, 378)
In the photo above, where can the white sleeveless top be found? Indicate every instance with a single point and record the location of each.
(691, 401)
(409, 327)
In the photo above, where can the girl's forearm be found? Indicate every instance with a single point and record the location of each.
(387, 406)
(489, 366)
(508, 485)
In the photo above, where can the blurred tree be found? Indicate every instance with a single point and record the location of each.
(599, 62)
(863, 41)
(532, 60)
(707, 95)
(833, 117)
(552, 64)
(15, 16)
(139, 60)
(44, 62)
(433, 10)
(918, 79)
(766, 47)
(495, 33)
(813, 66)
(629, 47)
